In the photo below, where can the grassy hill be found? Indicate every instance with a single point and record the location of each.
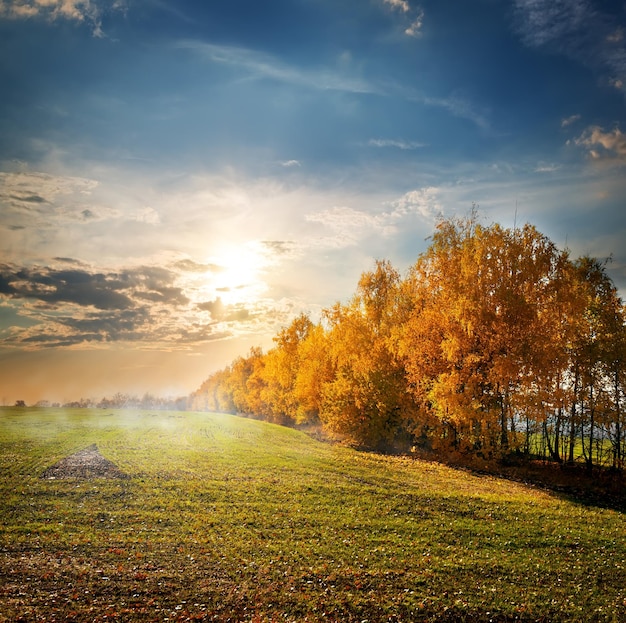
(228, 519)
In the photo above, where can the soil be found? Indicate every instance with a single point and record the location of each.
(85, 464)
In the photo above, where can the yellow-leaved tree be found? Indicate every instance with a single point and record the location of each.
(367, 400)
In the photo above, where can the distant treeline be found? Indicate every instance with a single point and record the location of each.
(495, 343)
(118, 401)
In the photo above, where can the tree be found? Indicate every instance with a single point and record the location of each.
(367, 398)
(600, 362)
(475, 339)
(315, 370)
(280, 371)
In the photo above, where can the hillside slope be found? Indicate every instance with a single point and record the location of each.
(224, 518)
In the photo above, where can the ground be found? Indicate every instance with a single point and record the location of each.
(85, 464)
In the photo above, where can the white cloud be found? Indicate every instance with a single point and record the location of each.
(23, 189)
(424, 202)
(350, 226)
(569, 120)
(147, 215)
(404, 145)
(458, 106)
(544, 167)
(604, 146)
(401, 5)
(290, 163)
(261, 65)
(415, 29)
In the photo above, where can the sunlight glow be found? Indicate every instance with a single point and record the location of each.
(239, 276)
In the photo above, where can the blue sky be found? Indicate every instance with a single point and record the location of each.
(179, 179)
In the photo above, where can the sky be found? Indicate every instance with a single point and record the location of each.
(181, 178)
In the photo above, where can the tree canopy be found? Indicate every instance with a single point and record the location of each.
(495, 342)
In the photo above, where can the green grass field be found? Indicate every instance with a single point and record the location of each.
(229, 519)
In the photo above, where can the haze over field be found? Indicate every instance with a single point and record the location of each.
(180, 179)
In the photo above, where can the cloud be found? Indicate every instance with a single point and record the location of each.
(604, 146)
(576, 29)
(290, 163)
(422, 202)
(70, 303)
(401, 5)
(261, 65)
(56, 206)
(347, 225)
(544, 167)
(191, 266)
(35, 187)
(216, 308)
(350, 226)
(89, 11)
(279, 247)
(404, 145)
(415, 29)
(570, 120)
(86, 288)
(147, 215)
(546, 21)
(458, 106)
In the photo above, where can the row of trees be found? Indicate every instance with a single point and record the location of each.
(118, 401)
(494, 342)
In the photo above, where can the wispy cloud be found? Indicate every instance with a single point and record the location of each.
(577, 29)
(415, 28)
(35, 199)
(349, 226)
(459, 106)
(569, 120)
(399, 144)
(261, 65)
(89, 11)
(423, 202)
(544, 167)
(402, 5)
(546, 21)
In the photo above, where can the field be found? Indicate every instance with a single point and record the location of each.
(229, 519)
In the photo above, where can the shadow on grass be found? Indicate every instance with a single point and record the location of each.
(601, 487)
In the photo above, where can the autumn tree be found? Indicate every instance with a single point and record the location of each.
(280, 372)
(599, 363)
(476, 335)
(366, 400)
(315, 369)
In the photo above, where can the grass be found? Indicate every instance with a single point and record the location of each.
(229, 519)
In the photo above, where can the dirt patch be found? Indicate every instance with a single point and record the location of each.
(85, 464)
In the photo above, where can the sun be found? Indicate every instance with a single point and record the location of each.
(236, 276)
